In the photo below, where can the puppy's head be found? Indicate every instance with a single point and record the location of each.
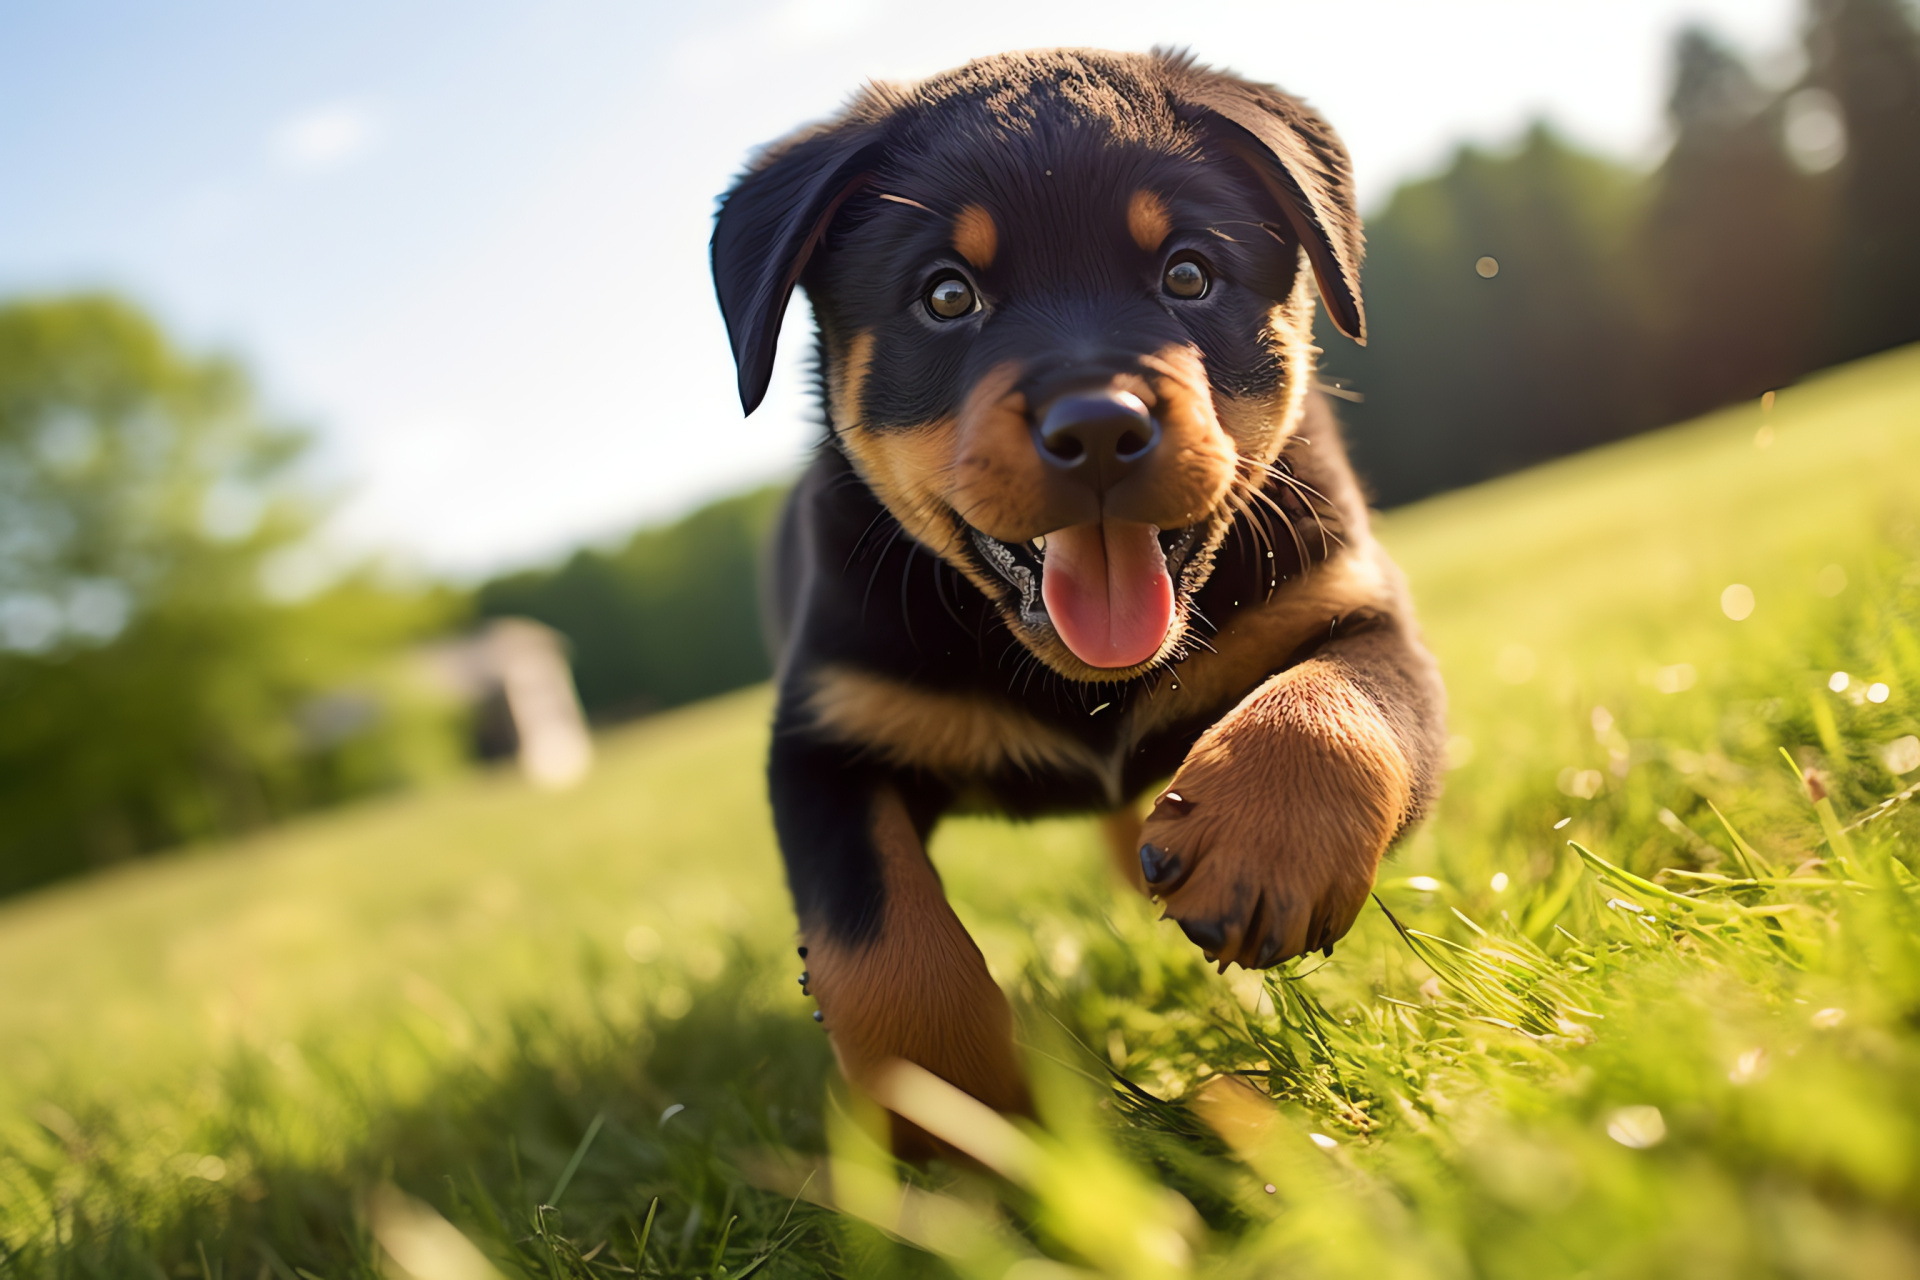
(1065, 311)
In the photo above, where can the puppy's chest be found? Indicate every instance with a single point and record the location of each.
(1089, 745)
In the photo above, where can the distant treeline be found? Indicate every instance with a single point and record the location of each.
(670, 617)
(1529, 304)
(1780, 234)
(153, 690)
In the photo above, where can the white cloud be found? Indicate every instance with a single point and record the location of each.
(326, 137)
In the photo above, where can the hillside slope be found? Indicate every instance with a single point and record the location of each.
(226, 1049)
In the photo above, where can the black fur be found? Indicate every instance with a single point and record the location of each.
(1253, 179)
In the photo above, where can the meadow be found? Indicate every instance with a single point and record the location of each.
(1641, 998)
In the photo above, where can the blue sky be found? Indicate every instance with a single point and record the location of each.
(466, 241)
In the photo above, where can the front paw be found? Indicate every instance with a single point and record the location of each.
(1265, 845)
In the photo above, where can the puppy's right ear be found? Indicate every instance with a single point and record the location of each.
(769, 225)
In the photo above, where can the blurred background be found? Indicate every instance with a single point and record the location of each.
(365, 411)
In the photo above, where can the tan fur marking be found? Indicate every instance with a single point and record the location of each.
(904, 467)
(957, 735)
(1286, 805)
(847, 380)
(920, 990)
(1000, 485)
(1260, 427)
(1147, 220)
(975, 238)
(982, 466)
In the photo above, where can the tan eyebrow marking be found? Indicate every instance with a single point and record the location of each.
(903, 200)
(1147, 220)
(974, 236)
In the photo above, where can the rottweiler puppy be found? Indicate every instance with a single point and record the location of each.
(1080, 524)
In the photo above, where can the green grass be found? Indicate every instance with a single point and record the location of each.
(270, 1059)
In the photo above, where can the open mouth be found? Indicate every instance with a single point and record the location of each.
(1107, 589)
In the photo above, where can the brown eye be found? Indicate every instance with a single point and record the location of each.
(1186, 278)
(949, 298)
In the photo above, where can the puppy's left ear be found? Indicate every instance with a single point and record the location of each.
(769, 225)
(1304, 166)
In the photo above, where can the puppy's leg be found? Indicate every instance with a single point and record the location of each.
(1265, 844)
(893, 969)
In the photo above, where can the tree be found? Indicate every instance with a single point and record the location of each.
(671, 616)
(150, 692)
(1506, 320)
(1736, 239)
(1866, 54)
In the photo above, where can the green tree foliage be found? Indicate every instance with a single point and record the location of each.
(1468, 376)
(150, 693)
(670, 617)
(1735, 240)
(1759, 249)
(1867, 55)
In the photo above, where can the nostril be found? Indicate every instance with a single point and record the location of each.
(1131, 445)
(1065, 446)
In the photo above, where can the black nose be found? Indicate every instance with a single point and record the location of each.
(1096, 436)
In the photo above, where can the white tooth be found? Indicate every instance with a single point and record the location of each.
(1040, 543)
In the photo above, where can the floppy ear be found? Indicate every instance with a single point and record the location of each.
(769, 225)
(1303, 165)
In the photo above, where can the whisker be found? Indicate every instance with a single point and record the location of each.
(874, 576)
(940, 570)
(906, 574)
(859, 541)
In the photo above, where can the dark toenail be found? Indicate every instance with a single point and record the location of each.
(1157, 864)
(819, 1016)
(1208, 935)
(803, 953)
(1327, 951)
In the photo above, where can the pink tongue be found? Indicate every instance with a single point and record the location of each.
(1107, 590)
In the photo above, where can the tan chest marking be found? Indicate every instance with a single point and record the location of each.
(969, 736)
(956, 735)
